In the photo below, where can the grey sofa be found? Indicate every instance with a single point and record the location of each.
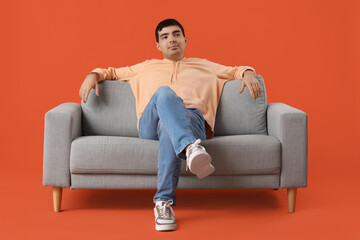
(96, 145)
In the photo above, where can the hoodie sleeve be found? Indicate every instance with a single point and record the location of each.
(228, 73)
(120, 74)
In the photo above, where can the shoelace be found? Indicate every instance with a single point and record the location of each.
(165, 209)
(191, 148)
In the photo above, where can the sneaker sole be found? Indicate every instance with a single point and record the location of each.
(200, 165)
(167, 227)
(205, 171)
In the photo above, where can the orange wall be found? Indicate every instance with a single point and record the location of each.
(307, 51)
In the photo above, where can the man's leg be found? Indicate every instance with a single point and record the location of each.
(169, 164)
(168, 107)
(166, 118)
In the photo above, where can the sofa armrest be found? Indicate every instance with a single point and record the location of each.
(62, 125)
(289, 125)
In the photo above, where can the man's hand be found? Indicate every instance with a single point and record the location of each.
(90, 82)
(252, 83)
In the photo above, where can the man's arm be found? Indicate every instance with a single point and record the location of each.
(101, 74)
(249, 79)
(245, 73)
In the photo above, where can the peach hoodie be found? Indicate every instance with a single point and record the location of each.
(198, 82)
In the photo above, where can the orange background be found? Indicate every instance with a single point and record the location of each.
(307, 52)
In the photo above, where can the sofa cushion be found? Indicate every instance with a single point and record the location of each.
(232, 155)
(113, 112)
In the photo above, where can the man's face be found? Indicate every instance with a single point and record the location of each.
(171, 43)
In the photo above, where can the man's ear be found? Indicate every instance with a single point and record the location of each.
(186, 40)
(157, 46)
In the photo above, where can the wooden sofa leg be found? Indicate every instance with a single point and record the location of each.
(291, 194)
(57, 195)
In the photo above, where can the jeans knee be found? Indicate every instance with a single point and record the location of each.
(165, 93)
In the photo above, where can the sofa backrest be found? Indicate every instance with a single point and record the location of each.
(238, 113)
(113, 112)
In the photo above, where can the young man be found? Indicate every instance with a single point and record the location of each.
(176, 101)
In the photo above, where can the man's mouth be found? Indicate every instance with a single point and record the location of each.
(173, 47)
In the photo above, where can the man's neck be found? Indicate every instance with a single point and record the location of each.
(174, 59)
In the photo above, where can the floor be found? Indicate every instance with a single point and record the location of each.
(326, 209)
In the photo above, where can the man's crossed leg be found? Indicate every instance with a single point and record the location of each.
(179, 131)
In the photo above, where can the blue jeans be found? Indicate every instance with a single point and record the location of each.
(166, 119)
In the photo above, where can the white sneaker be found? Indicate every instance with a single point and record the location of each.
(198, 160)
(164, 216)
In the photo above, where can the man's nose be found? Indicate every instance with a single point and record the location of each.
(171, 39)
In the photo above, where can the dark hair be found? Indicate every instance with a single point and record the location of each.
(166, 23)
